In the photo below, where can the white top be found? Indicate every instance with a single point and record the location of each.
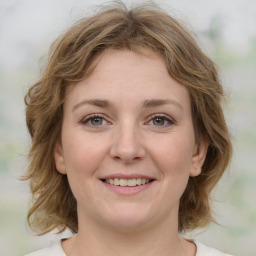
(56, 250)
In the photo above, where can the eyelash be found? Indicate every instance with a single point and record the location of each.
(89, 118)
(169, 120)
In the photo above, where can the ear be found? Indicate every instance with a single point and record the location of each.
(198, 158)
(59, 159)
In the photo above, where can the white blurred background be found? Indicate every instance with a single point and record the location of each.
(226, 29)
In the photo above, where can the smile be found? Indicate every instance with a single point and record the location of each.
(127, 182)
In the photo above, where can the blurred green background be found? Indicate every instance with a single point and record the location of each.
(227, 32)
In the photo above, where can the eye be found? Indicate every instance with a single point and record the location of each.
(161, 121)
(94, 120)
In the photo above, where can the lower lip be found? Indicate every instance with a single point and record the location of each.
(128, 190)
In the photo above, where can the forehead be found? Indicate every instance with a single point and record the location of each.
(129, 75)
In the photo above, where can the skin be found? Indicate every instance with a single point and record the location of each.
(128, 137)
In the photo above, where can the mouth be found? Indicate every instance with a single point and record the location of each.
(121, 182)
(127, 184)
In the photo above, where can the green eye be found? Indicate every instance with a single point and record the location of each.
(96, 121)
(159, 121)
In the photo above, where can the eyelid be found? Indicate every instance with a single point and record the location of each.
(86, 119)
(164, 116)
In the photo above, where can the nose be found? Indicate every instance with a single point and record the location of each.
(127, 145)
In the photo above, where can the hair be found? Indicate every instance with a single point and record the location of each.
(71, 55)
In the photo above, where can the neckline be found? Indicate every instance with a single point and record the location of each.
(195, 242)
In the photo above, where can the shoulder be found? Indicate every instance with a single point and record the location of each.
(54, 250)
(203, 250)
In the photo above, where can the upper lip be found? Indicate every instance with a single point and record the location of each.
(127, 176)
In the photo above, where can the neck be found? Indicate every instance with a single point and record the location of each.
(151, 240)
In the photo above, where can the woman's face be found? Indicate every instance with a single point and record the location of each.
(129, 124)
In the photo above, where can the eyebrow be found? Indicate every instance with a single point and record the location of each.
(102, 103)
(96, 102)
(160, 102)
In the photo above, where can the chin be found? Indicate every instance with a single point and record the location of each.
(128, 219)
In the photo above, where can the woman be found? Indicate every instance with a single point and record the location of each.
(128, 137)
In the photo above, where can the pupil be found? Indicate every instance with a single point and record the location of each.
(158, 121)
(97, 121)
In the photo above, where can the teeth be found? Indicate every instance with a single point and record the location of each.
(132, 182)
(123, 182)
(116, 182)
(138, 181)
(127, 182)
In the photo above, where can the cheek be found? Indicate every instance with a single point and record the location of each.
(82, 159)
(173, 160)
(83, 153)
(174, 155)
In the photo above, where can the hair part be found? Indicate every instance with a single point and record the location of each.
(71, 60)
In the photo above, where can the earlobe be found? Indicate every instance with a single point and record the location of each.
(59, 159)
(198, 158)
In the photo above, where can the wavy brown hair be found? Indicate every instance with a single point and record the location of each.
(71, 55)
